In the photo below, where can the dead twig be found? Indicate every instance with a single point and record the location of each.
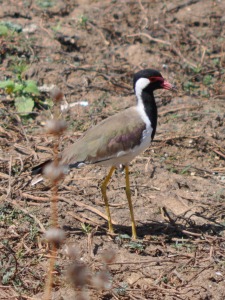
(172, 222)
(10, 179)
(218, 152)
(37, 198)
(148, 36)
(144, 17)
(88, 207)
(182, 5)
(84, 219)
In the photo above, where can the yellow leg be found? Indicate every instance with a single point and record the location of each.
(128, 193)
(103, 188)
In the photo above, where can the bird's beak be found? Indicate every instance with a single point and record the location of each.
(168, 86)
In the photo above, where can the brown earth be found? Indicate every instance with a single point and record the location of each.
(90, 49)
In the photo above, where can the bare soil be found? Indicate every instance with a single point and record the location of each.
(90, 49)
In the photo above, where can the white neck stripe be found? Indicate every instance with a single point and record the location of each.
(139, 86)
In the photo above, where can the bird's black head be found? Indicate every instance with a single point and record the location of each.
(150, 79)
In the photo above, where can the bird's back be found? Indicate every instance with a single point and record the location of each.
(117, 134)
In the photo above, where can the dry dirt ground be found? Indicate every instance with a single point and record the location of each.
(90, 49)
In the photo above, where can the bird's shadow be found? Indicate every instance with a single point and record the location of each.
(167, 229)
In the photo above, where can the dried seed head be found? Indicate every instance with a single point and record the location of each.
(102, 280)
(56, 127)
(108, 256)
(55, 235)
(54, 173)
(83, 295)
(72, 252)
(79, 274)
(56, 94)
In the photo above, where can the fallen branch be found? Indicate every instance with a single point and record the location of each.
(88, 207)
(218, 152)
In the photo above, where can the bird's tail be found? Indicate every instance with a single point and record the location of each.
(39, 168)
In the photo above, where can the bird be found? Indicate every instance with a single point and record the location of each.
(118, 139)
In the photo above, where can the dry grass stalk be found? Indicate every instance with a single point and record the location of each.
(54, 173)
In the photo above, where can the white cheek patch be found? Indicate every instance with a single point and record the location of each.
(141, 84)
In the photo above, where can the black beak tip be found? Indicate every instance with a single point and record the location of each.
(174, 88)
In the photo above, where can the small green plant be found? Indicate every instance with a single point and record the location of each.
(18, 66)
(164, 279)
(57, 27)
(4, 31)
(185, 170)
(174, 116)
(183, 245)
(121, 238)
(205, 93)
(135, 247)
(45, 3)
(197, 69)
(216, 61)
(82, 21)
(172, 169)
(86, 228)
(122, 289)
(207, 80)
(189, 86)
(7, 28)
(7, 275)
(25, 93)
(178, 245)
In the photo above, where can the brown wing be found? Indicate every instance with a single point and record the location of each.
(120, 132)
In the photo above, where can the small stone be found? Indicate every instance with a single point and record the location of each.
(31, 28)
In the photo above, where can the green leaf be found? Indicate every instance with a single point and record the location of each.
(12, 26)
(8, 85)
(188, 85)
(24, 105)
(31, 87)
(185, 170)
(49, 102)
(196, 70)
(7, 276)
(3, 30)
(18, 87)
(124, 236)
(45, 3)
(207, 80)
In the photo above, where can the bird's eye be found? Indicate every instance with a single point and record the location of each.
(154, 79)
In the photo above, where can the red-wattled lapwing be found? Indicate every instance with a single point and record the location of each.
(118, 139)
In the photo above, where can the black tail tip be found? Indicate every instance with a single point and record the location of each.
(39, 168)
